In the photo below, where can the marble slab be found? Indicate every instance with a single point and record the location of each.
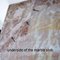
(31, 31)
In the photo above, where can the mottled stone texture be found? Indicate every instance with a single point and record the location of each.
(34, 24)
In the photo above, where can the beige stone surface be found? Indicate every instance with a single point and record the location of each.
(31, 25)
